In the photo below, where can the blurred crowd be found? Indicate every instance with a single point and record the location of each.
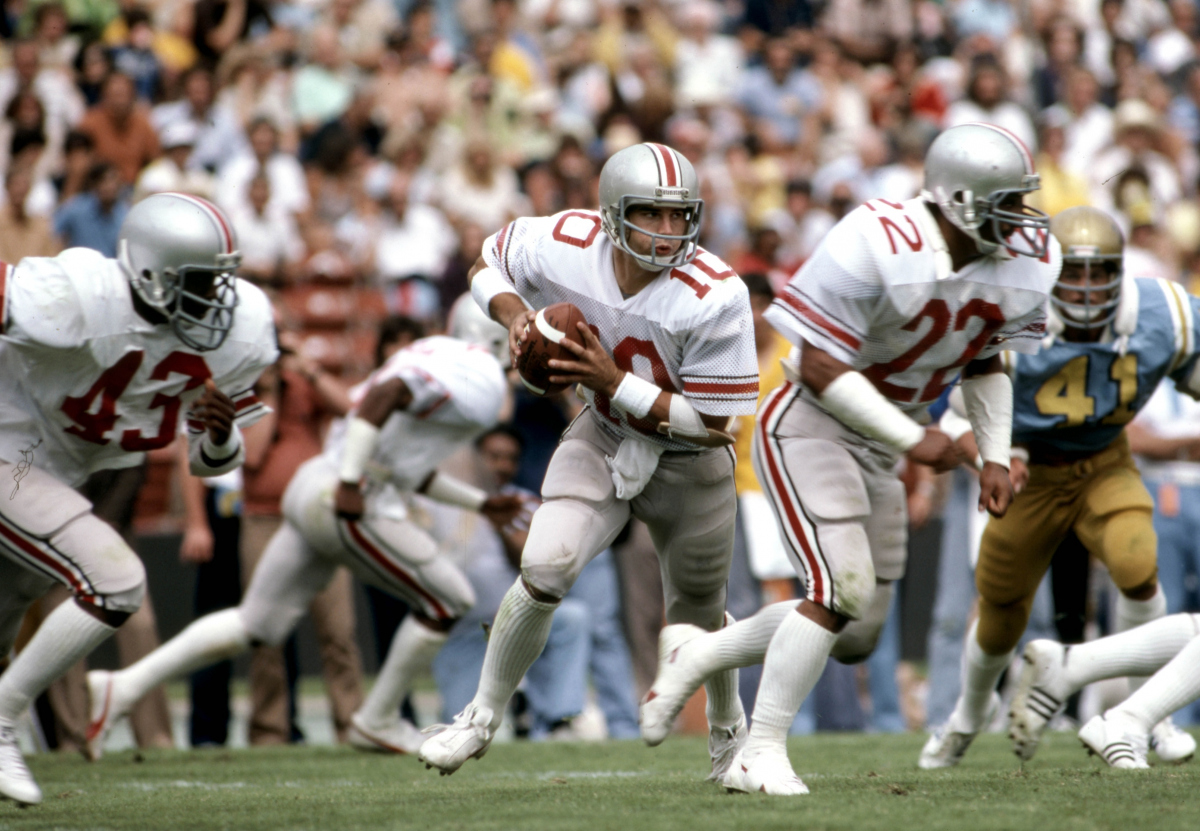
(365, 149)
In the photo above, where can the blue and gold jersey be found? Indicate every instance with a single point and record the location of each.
(1077, 397)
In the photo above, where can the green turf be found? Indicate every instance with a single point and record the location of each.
(858, 783)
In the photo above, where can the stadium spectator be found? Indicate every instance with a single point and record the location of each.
(218, 135)
(121, 130)
(92, 219)
(171, 171)
(268, 238)
(22, 235)
(263, 156)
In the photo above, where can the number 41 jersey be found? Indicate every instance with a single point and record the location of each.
(879, 295)
(690, 331)
(87, 384)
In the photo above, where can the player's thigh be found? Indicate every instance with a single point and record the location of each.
(690, 509)
(289, 575)
(579, 517)
(817, 490)
(1016, 549)
(1117, 525)
(402, 559)
(49, 528)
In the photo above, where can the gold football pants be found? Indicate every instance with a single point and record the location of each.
(1102, 499)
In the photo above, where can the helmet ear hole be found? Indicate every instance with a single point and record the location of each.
(147, 273)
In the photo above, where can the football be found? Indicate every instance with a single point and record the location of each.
(549, 328)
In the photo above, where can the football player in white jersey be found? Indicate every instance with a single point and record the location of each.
(899, 299)
(99, 360)
(669, 359)
(346, 507)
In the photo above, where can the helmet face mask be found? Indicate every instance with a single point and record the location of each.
(180, 257)
(1087, 294)
(651, 175)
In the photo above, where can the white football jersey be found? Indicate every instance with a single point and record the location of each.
(87, 384)
(458, 389)
(690, 331)
(872, 297)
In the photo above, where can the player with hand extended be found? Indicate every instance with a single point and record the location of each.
(1112, 339)
(670, 359)
(897, 301)
(346, 507)
(99, 361)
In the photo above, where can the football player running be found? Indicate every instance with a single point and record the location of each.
(1111, 340)
(345, 507)
(897, 301)
(669, 359)
(99, 361)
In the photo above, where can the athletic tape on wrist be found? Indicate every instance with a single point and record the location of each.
(635, 395)
(451, 491)
(220, 453)
(989, 403)
(852, 399)
(362, 437)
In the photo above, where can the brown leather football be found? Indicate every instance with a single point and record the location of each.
(549, 328)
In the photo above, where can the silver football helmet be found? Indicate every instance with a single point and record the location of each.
(180, 254)
(650, 174)
(467, 321)
(1093, 247)
(969, 171)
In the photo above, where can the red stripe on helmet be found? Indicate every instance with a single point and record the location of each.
(1015, 139)
(217, 216)
(670, 165)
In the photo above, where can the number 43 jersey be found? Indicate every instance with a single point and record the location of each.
(879, 295)
(87, 384)
(689, 331)
(1077, 397)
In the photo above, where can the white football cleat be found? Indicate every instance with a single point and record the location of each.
(102, 712)
(949, 743)
(449, 745)
(768, 772)
(723, 744)
(1170, 743)
(675, 684)
(16, 782)
(1116, 739)
(400, 736)
(1041, 692)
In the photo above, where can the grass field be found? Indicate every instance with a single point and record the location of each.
(858, 783)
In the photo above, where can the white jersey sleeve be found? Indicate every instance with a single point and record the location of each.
(41, 306)
(720, 365)
(514, 252)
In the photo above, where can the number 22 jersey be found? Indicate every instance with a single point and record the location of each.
(879, 295)
(87, 384)
(690, 331)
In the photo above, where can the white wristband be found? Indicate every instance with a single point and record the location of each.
(447, 489)
(989, 403)
(635, 395)
(852, 399)
(488, 284)
(362, 437)
(219, 453)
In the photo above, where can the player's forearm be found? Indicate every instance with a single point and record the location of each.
(382, 400)
(504, 308)
(208, 459)
(1160, 449)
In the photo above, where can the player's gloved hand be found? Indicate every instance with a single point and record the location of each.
(216, 410)
(995, 489)
(936, 450)
(503, 509)
(1018, 474)
(592, 367)
(348, 501)
(518, 332)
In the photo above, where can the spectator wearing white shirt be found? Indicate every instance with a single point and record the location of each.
(707, 64)
(267, 235)
(481, 190)
(1087, 124)
(289, 188)
(987, 102)
(170, 171)
(219, 134)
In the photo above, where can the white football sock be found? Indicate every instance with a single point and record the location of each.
(1175, 685)
(980, 672)
(205, 641)
(741, 644)
(795, 660)
(724, 706)
(66, 635)
(1132, 614)
(1140, 651)
(518, 636)
(414, 646)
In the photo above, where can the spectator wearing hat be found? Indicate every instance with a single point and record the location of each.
(171, 171)
(1137, 127)
(218, 134)
(120, 129)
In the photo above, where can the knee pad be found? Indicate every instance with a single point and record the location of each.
(1130, 548)
(857, 641)
(555, 550)
(850, 568)
(1000, 627)
(113, 576)
(270, 626)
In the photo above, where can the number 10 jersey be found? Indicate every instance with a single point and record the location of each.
(879, 295)
(87, 384)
